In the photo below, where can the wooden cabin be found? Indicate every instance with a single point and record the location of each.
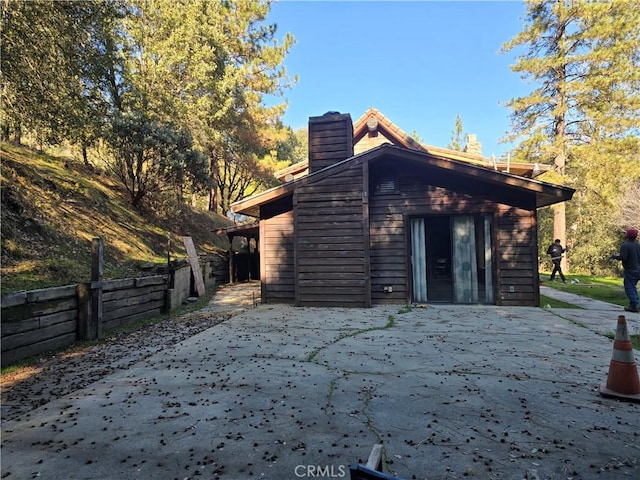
(398, 222)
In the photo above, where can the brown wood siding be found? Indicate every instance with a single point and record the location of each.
(388, 234)
(516, 241)
(331, 261)
(344, 242)
(388, 249)
(276, 251)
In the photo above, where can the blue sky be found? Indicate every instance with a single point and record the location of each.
(420, 63)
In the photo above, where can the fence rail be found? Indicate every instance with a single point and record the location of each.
(38, 321)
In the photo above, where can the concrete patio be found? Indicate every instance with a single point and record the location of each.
(279, 392)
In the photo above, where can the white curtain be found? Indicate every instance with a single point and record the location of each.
(465, 265)
(488, 261)
(419, 260)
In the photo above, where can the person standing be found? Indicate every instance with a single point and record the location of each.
(556, 251)
(630, 257)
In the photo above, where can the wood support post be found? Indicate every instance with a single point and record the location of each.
(90, 296)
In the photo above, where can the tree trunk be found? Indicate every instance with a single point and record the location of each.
(180, 193)
(560, 229)
(560, 141)
(85, 158)
(213, 197)
(213, 202)
(17, 134)
(559, 217)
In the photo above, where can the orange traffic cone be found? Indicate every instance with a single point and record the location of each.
(622, 381)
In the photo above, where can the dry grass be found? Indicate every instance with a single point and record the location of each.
(53, 206)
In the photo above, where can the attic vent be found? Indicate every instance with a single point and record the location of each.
(387, 185)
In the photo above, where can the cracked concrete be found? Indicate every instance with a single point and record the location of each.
(279, 392)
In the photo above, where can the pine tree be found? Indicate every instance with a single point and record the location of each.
(582, 58)
(53, 56)
(457, 135)
(207, 66)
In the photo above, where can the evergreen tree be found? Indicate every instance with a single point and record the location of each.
(52, 54)
(194, 69)
(150, 157)
(416, 136)
(457, 135)
(209, 65)
(582, 58)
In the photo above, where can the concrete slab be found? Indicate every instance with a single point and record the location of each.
(278, 392)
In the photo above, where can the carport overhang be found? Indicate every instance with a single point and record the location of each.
(249, 230)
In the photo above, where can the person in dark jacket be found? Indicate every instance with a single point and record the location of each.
(630, 256)
(556, 251)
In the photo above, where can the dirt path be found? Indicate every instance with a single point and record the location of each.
(62, 373)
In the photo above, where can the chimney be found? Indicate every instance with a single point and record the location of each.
(473, 146)
(330, 140)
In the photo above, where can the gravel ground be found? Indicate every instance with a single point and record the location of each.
(59, 374)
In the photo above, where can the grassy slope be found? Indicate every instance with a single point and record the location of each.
(51, 209)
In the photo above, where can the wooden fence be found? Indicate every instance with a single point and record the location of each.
(38, 321)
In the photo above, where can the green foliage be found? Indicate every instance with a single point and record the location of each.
(457, 135)
(600, 174)
(195, 71)
(148, 155)
(405, 309)
(294, 147)
(583, 115)
(53, 54)
(416, 136)
(634, 339)
(208, 65)
(553, 303)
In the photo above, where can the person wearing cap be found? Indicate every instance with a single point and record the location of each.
(630, 257)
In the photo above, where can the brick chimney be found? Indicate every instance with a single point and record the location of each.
(330, 140)
(473, 146)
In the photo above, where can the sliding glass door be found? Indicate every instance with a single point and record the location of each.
(451, 259)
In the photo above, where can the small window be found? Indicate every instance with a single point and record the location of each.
(387, 185)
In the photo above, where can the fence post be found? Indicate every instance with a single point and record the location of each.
(97, 270)
(90, 296)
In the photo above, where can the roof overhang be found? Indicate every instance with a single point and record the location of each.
(545, 193)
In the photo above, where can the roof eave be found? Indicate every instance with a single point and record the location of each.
(251, 205)
(546, 193)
